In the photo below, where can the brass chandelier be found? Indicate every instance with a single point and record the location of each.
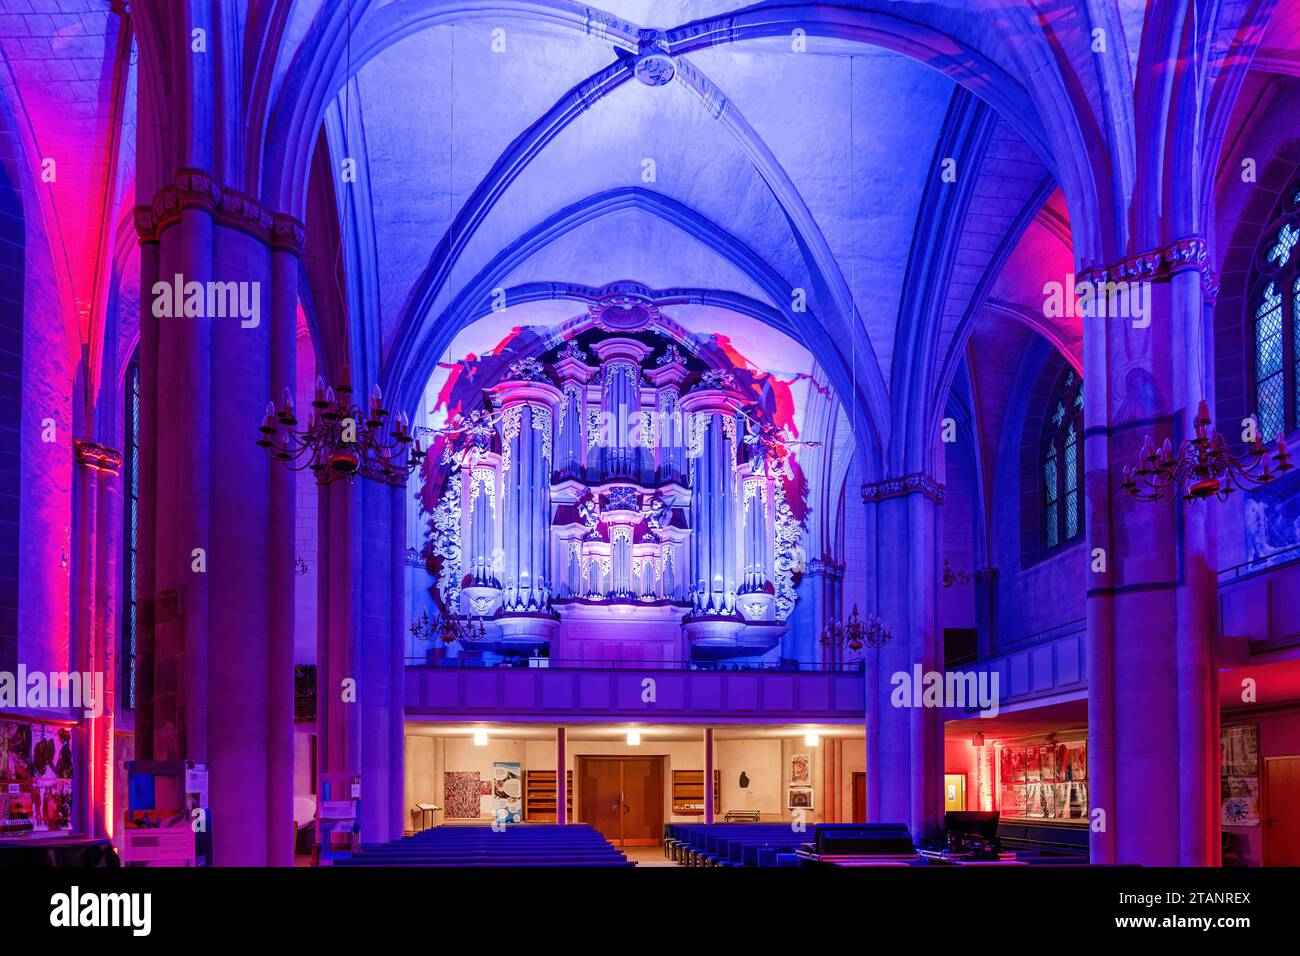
(341, 438)
(1204, 465)
(448, 628)
(855, 633)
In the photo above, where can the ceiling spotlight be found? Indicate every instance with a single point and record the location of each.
(634, 738)
(480, 738)
(812, 738)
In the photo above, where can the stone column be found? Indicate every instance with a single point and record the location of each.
(146, 530)
(986, 610)
(212, 561)
(708, 775)
(1152, 596)
(905, 743)
(360, 645)
(561, 778)
(287, 237)
(94, 633)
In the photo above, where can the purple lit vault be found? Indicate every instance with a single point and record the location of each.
(719, 323)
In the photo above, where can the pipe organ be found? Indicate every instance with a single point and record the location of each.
(613, 497)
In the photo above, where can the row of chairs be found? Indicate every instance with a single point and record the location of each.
(733, 844)
(519, 844)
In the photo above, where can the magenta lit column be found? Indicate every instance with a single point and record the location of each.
(708, 775)
(561, 778)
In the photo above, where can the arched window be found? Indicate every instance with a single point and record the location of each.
(1062, 461)
(131, 537)
(1274, 313)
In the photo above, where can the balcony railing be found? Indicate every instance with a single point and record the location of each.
(550, 663)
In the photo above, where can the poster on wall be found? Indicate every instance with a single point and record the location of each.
(1239, 775)
(460, 790)
(800, 770)
(15, 750)
(1044, 782)
(51, 805)
(800, 798)
(507, 792)
(51, 752)
(16, 808)
(35, 777)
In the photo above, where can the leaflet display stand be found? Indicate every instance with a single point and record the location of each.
(167, 821)
(337, 828)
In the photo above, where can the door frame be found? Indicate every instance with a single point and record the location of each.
(579, 809)
(1266, 811)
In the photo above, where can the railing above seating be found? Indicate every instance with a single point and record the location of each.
(551, 663)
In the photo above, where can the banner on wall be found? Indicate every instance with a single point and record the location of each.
(507, 792)
(1239, 775)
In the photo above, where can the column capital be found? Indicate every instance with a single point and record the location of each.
(1160, 264)
(197, 189)
(97, 457)
(823, 566)
(917, 482)
(986, 575)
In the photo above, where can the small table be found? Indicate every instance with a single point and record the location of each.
(425, 809)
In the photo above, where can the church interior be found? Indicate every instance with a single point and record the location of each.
(649, 433)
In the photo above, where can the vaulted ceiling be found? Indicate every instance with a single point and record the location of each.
(773, 153)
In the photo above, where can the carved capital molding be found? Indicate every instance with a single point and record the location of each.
(1160, 264)
(196, 189)
(913, 484)
(823, 566)
(986, 575)
(97, 457)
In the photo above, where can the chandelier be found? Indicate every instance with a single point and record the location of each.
(856, 633)
(1204, 465)
(341, 438)
(448, 628)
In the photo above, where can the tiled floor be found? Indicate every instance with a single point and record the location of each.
(647, 856)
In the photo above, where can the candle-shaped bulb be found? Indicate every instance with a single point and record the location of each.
(270, 410)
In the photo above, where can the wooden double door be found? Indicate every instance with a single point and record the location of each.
(623, 798)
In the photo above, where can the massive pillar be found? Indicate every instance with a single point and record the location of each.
(359, 646)
(904, 740)
(217, 528)
(710, 790)
(561, 778)
(1152, 700)
(95, 628)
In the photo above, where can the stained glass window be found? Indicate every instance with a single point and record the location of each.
(1274, 314)
(131, 482)
(1062, 461)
